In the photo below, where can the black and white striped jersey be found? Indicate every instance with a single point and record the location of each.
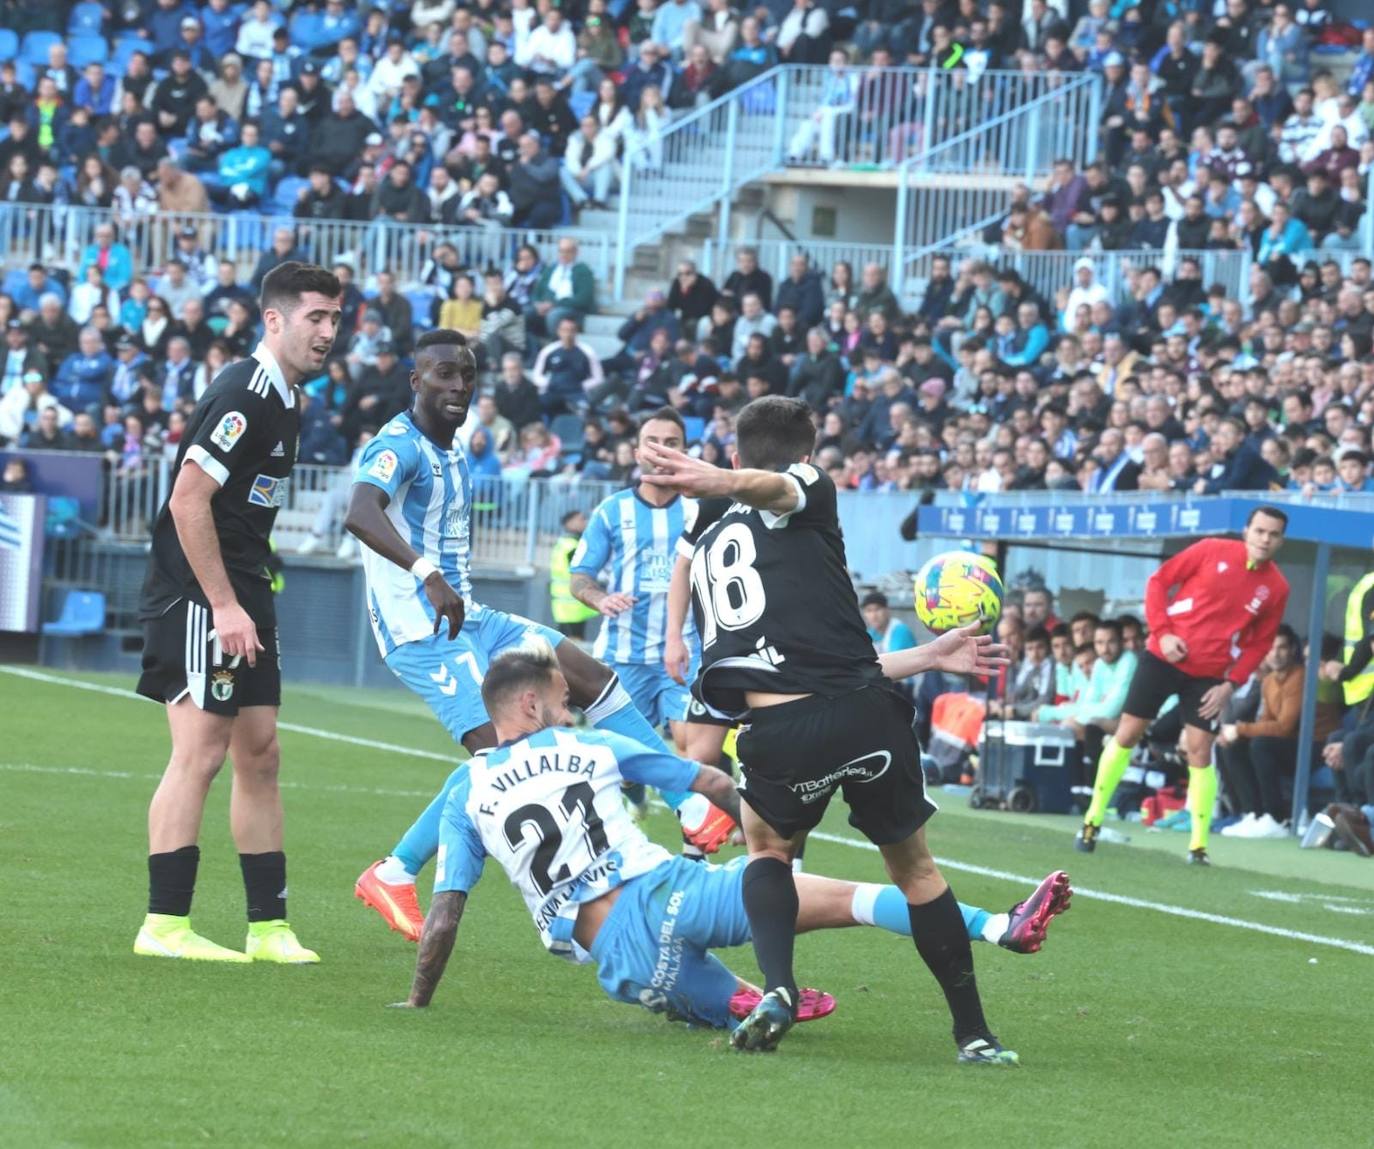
(244, 434)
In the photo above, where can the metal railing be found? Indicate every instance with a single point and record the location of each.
(61, 234)
(1020, 142)
(515, 519)
(697, 161)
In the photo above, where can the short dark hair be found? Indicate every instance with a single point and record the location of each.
(570, 515)
(1130, 620)
(283, 286)
(1084, 616)
(875, 598)
(1060, 631)
(664, 415)
(1039, 634)
(440, 337)
(1108, 624)
(1271, 511)
(1286, 631)
(517, 669)
(773, 432)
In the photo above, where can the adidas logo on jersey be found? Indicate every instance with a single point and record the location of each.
(279, 450)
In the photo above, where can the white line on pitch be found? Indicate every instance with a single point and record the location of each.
(819, 835)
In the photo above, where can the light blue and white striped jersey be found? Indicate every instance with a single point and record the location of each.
(639, 543)
(431, 507)
(548, 809)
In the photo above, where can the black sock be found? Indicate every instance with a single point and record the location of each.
(264, 881)
(172, 881)
(770, 900)
(942, 941)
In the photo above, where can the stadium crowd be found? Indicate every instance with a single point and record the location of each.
(1220, 130)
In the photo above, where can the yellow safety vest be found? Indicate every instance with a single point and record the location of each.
(565, 608)
(1362, 685)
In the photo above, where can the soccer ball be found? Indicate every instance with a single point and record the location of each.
(958, 588)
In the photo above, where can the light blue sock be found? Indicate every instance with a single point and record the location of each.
(421, 841)
(886, 908)
(615, 711)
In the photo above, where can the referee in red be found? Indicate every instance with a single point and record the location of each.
(1213, 610)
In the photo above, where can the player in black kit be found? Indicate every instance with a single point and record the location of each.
(210, 630)
(785, 648)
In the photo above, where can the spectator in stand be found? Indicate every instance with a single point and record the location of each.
(382, 390)
(396, 313)
(589, 166)
(748, 278)
(1031, 681)
(566, 289)
(639, 329)
(802, 292)
(534, 186)
(83, 380)
(517, 398)
(691, 295)
(566, 371)
(753, 320)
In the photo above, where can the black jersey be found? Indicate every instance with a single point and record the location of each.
(244, 434)
(773, 602)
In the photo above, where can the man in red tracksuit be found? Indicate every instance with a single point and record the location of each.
(1213, 610)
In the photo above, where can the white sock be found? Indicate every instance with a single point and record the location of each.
(865, 898)
(392, 872)
(995, 927)
(797, 865)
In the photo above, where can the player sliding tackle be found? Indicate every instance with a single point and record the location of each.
(785, 648)
(546, 806)
(411, 507)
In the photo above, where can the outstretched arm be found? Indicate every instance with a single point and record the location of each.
(961, 651)
(764, 490)
(436, 943)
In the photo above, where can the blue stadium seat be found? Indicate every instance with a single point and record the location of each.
(86, 19)
(568, 428)
(307, 30)
(581, 103)
(124, 52)
(34, 49)
(83, 612)
(285, 193)
(15, 281)
(9, 44)
(421, 300)
(25, 74)
(693, 426)
(83, 50)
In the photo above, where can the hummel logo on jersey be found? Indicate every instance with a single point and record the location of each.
(279, 450)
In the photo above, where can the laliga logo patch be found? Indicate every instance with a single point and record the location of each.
(222, 685)
(267, 492)
(229, 431)
(384, 466)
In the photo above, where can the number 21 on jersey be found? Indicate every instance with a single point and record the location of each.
(725, 582)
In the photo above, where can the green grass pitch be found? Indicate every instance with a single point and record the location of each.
(1135, 1026)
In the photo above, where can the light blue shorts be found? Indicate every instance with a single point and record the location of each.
(448, 674)
(652, 949)
(654, 693)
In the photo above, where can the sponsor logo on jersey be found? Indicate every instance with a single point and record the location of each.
(279, 451)
(267, 491)
(436, 470)
(222, 685)
(229, 431)
(384, 466)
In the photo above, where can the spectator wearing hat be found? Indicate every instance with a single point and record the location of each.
(21, 407)
(17, 357)
(229, 90)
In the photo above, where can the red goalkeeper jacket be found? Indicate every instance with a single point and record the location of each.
(1224, 610)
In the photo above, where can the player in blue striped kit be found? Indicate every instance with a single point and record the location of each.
(634, 533)
(411, 509)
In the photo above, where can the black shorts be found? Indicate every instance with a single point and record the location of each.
(1156, 681)
(180, 659)
(698, 715)
(796, 755)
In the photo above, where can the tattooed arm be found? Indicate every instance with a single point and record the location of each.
(436, 943)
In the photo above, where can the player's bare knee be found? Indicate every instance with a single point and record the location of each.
(259, 765)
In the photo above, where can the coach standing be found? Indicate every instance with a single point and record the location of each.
(1213, 611)
(210, 633)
